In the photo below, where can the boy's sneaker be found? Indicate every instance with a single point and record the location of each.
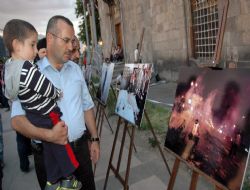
(71, 184)
(50, 186)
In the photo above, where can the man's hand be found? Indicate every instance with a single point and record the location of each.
(94, 152)
(59, 134)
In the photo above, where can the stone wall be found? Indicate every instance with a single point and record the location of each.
(236, 44)
(105, 23)
(167, 41)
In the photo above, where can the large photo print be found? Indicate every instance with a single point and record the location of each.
(210, 123)
(104, 87)
(134, 84)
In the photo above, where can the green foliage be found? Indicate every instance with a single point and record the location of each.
(95, 79)
(3, 60)
(79, 14)
(153, 142)
(159, 116)
(111, 103)
(246, 185)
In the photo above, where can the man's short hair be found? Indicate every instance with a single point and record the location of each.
(41, 44)
(52, 24)
(16, 29)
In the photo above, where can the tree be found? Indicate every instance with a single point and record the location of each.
(79, 14)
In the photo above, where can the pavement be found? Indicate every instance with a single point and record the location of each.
(147, 170)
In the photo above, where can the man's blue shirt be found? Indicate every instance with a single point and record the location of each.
(76, 98)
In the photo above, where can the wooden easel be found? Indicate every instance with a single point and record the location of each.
(194, 179)
(100, 114)
(115, 95)
(124, 181)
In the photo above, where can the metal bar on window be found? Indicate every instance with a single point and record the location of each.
(205, 27)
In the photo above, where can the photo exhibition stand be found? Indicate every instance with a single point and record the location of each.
(116, 170)
(195, 174)
(115, 95)
(100, 113)
(194, 179)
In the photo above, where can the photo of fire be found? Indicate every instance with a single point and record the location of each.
(210, 123)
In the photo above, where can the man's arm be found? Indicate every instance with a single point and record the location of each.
(58, 134)
(90, 122)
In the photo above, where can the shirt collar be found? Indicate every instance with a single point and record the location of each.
(44, 63)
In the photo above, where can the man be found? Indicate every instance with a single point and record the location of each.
(75, 55)
(76, 106)
(136, 53)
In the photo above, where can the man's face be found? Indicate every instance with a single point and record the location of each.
(75, 55)
(42, 53)
(62, 43)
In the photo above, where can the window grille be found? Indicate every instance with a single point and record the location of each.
(205, 25)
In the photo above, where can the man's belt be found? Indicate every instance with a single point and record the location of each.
(79, 141)
(38, 147)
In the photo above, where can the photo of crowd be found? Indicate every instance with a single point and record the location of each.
(134, 84)
(103, 89)
(209, 124)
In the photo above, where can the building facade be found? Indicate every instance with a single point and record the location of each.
(175, 33)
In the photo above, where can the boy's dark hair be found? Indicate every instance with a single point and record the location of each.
(16, 29)
(52, 24)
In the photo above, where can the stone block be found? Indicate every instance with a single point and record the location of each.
(231, 24)
(242, 23)
(234, 8)
(179, 23)
(160, 28)
(244, 52)
(160, 18)
(139, 9)
(245, 6)
(246, 38)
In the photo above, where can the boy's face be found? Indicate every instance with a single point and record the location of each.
(28, 49)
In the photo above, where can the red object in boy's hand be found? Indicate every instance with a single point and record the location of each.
(55, 117)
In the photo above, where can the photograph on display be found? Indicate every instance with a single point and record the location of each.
(210, 123)
(103, 89)
(134, 84)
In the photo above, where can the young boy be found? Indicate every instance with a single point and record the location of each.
(38, 98)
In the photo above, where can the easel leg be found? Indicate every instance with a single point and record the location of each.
(97, 110)
(129, 158)
(173, 174)
(108, 122)
(129, 133)
(194, 180)
(218, 188)
(99, 127)
(122, 146)
(102, 118)
(112, 153)
(158, 143)
(98, 114)
(93, 86)
(113, 92)
(99, 119)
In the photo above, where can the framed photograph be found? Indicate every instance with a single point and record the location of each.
(134, 84)
(103, 89)
(209, 127)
